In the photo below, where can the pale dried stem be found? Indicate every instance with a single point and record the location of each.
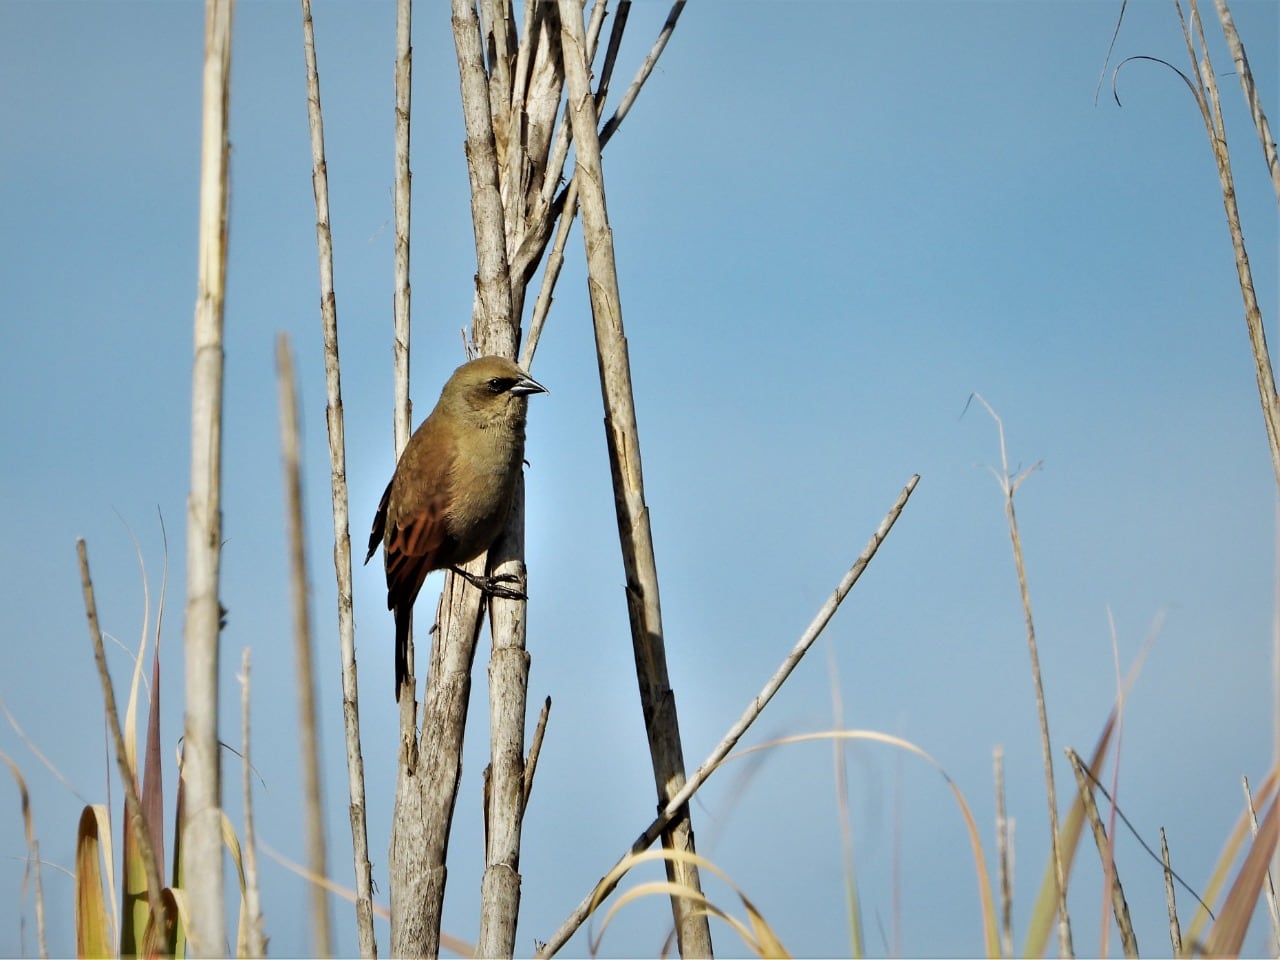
(299, 594)
(535, 749)
(132, 802)
(1236, 46)
(1004, 858)
(730, 739)
(402, 412)
(1119, 908)
(340, 503)
(1009, 485)
(622, 437)
(255, 938)
(1171, 901)
(201, 772)
(1206, 91)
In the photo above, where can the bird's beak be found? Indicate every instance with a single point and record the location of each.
(526, 385)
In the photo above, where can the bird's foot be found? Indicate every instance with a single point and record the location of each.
(494, 586)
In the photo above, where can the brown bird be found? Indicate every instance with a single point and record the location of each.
(451, 493)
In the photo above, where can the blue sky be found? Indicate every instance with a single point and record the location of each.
(834, 222)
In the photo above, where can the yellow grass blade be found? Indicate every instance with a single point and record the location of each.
(94, 934)
(991, 936)
(1230, 850)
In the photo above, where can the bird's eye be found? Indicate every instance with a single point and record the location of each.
(500, 384)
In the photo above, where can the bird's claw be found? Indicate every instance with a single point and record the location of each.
(494, 586)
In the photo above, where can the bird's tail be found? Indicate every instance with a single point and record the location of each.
(404, 619)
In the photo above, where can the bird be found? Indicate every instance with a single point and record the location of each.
(451, 492)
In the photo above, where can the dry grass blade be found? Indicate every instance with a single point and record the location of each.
(756, 933)
(1271, 888)
(990, 927)
(95, 936)
(1227, 936)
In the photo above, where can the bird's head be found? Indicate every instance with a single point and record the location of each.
(490, 390)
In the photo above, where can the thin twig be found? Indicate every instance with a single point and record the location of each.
(730, 740)
(535, 749)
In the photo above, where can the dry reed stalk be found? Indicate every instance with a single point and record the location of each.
(1004, 858)
(1236, 46)
(622, 435)
(1119, 908)
(1205, 90)
(1009, 486)
(486, 108)
(739, 728)
(299, 595)
(1175, 929)
(255, 938)
(340, 501)
(201, 771)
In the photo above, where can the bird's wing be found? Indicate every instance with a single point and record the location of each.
(379, 523)
(416, 533)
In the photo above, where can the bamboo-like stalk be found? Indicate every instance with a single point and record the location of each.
(1119, 907)
(132, 802)
(495, 329)
(1236, 46)
(754, 708)
(340, 502)
(1009, 486)
(201, 772)
(402, 413)
(622, 435)
(300, 600)
(1206, 92)
(1175, 928)
(255, 936)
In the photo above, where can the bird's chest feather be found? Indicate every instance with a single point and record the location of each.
(484, 477)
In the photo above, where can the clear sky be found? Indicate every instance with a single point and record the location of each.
(834, 222)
